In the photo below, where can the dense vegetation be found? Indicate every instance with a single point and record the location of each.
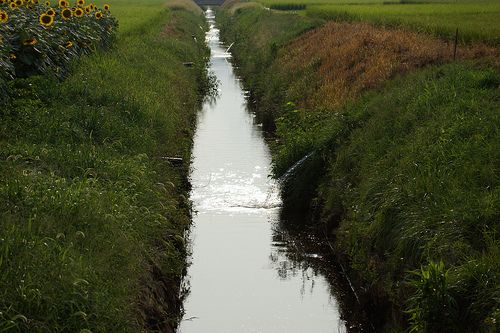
(93, 216)
(402, 168)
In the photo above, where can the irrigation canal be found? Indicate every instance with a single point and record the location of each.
(242, 277)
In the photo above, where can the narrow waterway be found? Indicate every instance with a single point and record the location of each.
(242, 277)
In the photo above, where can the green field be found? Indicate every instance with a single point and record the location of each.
(476, 20)
(91, 238)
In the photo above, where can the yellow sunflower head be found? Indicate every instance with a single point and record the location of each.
(98, 15)
(12, 5)
(106, 7)
(19, 3)
(46, 20)
(34, 2)
(47, 3)
(88, 9)
(30, 42)
(51, 12)
(68, 45)
(63, 3)
(66, 13)
(12, 56)
(78, 12)
(4, 17)
(80, 3)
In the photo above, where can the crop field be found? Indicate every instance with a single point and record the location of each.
(476, 20)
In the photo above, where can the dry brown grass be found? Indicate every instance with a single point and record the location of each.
(349, 58)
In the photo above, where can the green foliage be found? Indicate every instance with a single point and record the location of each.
(90, 211)
(432, 307)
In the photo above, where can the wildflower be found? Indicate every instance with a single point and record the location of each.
(63, 3)
(46, 20)
(66, 13)
(98, 15)
(4, 17)
(30, 42)
(106, 7)
(68, 45)
(78, 12)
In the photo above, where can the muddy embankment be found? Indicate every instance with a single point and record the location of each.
(401, 147)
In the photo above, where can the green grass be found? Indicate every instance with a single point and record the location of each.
(92, 217)
(476, 20)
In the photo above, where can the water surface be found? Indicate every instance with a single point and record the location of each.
(242, 278)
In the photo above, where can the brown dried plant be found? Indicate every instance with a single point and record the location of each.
(349, 58)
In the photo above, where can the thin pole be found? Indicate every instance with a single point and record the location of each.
(455, 47)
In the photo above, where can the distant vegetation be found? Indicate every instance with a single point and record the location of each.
(402, 174)
(476, 20)
(92, 216)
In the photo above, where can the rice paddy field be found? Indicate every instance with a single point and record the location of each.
(475, 20)
(92, 216)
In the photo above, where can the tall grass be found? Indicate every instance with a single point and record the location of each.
(92, 216)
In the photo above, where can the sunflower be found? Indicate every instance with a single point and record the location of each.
(80, 3)
(88, 9)
(19, 3)
(34, 2)
(63, 3)
(12, 5)
(46, 20)
(78, 12)
(68, 45)
(66, 13)
(47, 3)
(51, 12)
(12, 56)
(98, 15)
(4, 17)
(30, 42)
(106, 7)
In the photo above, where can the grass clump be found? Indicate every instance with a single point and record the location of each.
(92, 217)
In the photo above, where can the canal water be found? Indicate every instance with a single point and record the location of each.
(242, 277)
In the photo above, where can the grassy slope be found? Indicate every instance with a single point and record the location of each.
(92, 218)
(399, 178)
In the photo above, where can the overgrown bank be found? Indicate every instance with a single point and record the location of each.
(402, 166)
(92, 214)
